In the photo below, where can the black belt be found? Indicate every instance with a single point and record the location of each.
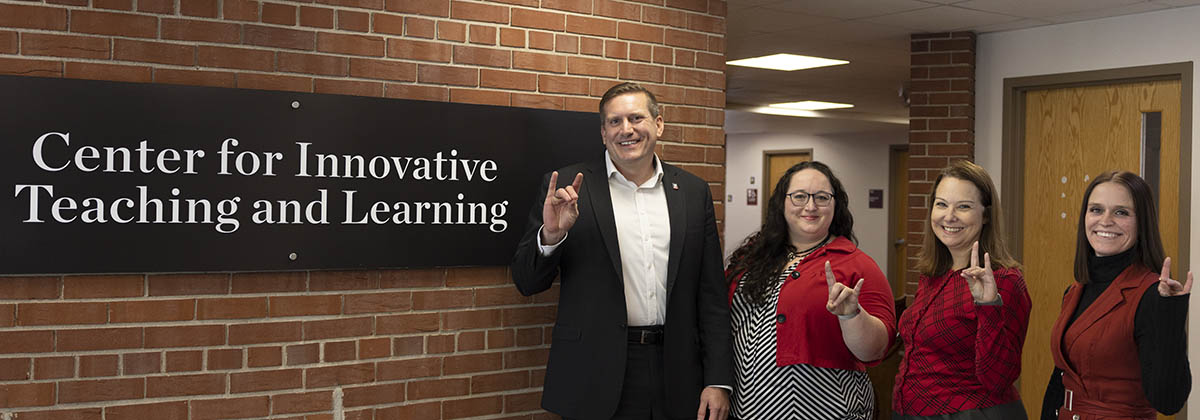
(652, 334)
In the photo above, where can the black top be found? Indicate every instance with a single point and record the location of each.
(1158, 330)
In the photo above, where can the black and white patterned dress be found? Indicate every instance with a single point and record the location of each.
(765, 391)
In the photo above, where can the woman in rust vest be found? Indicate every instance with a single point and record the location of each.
(1119, 344)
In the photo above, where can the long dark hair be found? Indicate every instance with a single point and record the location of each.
(935, 258)
(1148, 249)
(761, 255)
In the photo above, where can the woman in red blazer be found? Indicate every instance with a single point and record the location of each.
(1119, 344)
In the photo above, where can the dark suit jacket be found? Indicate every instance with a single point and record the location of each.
(588, 350)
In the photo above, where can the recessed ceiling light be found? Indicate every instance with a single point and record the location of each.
(811, 105)
(786, 62)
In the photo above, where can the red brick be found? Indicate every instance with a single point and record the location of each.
(374, 348)
(230, 408)
(642, 72)
(523, 402)
(8, 42)
(442, 299)
(525, 358)
(185, 361)
(461, 76)
(27, 394)
(422, 93)
(409, 368)
(566, 43)
(495, 382)
(428, 277)
(664, 55)
(107, 23)
(141, 363)
(101, 286)
(639, 32)
(264, 356)
(408, 346)
(374, 395)
(92, 339)
(477, 276)
(481, 56)
(428, 410)
(452, 31)
(591, 46)
(199, 8)
(530, 100)
(541, 40)
(16, 369)
(472, 407)
(92, 366)
(312, 64)
(29, 287)
(666, 17)
(282, 306)
(439, 8)
(316, 17)
(489, 318)
(174, 410)
(480, 34)
(539, 62)
(61, 313)
(340, 351)
(231, 308)
(223, 359)
(185, 336)
(478, 12)
(698, 22)
(386, 24)
(156, 6)
(951, 124)
(592, 67)
(348, 87)
(529, 315)
(108, 72)
(301, 403)
(640, 52)
(353, 21)
(197, 30)
(372, 46)
(191, 284)
(339, 375)
(439, 343)
(32, 17)
(269, 282)
(502, 338)
(326, 281)
(240, 334)
(470, 341)
(438, 388)
(64, 46)
(267, 36)
(546, 84)
(334, 328)
(382, 69)
(73, 414)
(303, 354)
(244, 10)
(951, 72)
(279, 14)
(617, 9)
(685, 58)
(266, 380)
(473, 363)
(100, 390)
(420, 28)
(182, 385)
(151, 310)
(537, 19)
(378, 302)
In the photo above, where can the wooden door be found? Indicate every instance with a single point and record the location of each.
(898, 220)
(1071, 135)
(775, 164)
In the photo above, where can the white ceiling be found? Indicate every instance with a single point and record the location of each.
(874, 36)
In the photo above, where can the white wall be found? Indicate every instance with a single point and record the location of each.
(1167, 36)
(860, 161)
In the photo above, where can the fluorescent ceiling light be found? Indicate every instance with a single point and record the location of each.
(811, 105)
(786, 62)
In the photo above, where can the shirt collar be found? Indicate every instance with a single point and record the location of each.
(612, 169)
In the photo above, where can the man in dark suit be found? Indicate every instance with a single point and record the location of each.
(643, 316)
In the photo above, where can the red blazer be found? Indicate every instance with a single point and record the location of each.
(808, 333)
(1097, 353)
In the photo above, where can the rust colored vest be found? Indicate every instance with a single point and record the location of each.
(1097, 353)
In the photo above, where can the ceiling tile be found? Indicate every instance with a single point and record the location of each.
(1109, 12)
(942, 19)
(849, 9)
(1039, 9)
(1177, 2)
(1010, 26)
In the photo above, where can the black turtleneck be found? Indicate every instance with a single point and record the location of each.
(1158, 329)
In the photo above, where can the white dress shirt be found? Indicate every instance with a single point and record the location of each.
(644, 238)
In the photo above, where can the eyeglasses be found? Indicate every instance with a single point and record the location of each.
(820, 198)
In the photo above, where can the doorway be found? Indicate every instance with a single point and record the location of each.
(1062, 130)
(775, 164)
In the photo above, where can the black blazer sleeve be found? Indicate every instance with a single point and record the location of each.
(531, 271)
(716, 337)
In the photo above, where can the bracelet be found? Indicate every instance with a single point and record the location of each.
(850, 316)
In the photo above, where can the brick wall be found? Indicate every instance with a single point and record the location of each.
(376, 344)
(941, 123)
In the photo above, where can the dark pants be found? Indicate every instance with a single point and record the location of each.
(1011, 411)
(642, 395)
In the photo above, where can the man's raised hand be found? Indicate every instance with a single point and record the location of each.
(560, 209)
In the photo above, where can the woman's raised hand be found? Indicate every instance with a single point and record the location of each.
(1170, 287)
(980, 279)
(843, 301)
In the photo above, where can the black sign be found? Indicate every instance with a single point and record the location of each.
(107, 177)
